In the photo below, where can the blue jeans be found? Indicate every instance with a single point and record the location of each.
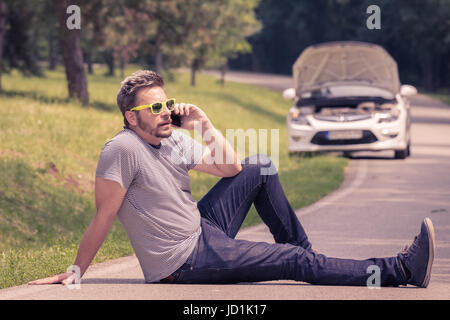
(219, 258)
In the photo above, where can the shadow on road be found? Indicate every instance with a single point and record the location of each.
(365, 157)
(268, 283)
(112, 281)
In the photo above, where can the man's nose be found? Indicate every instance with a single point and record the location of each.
(165, 111)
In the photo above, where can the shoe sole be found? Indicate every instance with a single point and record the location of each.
(431, 246)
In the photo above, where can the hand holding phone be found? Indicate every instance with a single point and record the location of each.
(187, 114)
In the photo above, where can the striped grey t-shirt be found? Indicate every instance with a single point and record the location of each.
(158, 212)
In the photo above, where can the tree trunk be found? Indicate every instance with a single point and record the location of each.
(3, 12)
(89, 62)
(223, 71)
(193, 71)
(51, 52)
(158, 55)
(122, 68)
(109, 60)
(427, 71)
(158, 51)
(72, 56)
(437, 70)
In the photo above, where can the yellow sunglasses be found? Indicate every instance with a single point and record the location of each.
(157, 107)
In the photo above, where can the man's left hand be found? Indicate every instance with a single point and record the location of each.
(189, 114)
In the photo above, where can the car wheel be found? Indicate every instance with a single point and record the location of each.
(401, 154)
(408, 150)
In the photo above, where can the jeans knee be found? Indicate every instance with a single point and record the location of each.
(259, 160)
(259, 163)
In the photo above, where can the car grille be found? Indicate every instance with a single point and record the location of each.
(320, 138)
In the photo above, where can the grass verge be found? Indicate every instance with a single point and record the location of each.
(444, 96)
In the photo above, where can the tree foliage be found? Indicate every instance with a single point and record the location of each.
(257, 35)
(125, 35)
(215, 31)
(415, 32)
(20, 48)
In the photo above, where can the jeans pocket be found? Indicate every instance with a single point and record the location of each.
(188, 265)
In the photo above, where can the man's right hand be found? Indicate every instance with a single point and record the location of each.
(64, 278)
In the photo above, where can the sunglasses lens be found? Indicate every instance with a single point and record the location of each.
(157, 107)
(170, 104)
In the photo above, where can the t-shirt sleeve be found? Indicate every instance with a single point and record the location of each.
(117, 162)
(191, 149)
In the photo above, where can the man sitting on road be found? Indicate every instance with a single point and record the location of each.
(142, 178)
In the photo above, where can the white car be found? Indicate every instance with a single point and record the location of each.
(348, 98)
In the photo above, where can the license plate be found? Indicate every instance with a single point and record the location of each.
(344, 134)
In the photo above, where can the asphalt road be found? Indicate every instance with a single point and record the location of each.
(375, 213)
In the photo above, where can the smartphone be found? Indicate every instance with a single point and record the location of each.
(176, 119)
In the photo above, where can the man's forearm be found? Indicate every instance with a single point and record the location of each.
(227, 162)
(92, 240)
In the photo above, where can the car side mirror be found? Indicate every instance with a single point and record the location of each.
(289, 94)
(408, 90)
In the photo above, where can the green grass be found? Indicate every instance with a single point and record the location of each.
(443, 95)
(49, 147)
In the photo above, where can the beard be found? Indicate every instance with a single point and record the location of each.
(154, 131)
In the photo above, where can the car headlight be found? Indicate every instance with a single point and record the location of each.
(298, 118)
(389, 117)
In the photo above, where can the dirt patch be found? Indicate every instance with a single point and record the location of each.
(10, 153)
(71, 182)
(52, 170)
(68, 181)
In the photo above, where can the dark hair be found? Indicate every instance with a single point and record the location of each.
(126, 97)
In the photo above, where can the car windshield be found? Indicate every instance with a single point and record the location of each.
(347, 91)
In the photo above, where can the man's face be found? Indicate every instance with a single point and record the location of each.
(156, 125)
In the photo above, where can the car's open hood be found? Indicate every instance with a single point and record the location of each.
(346, 62)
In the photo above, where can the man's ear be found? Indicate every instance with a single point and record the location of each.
(131, 118)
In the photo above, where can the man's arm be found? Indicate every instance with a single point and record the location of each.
(108, 197)
(225, 164)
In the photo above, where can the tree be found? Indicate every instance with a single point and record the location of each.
(200, 24)
(167, 28)
(20, 37)
(72, 55)
(116, 30)
(196, 32)
(214, 31)
(3, 11)
(235, 23)
(425, 26)
(46, 23)
(125, 34)
(96, 15)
